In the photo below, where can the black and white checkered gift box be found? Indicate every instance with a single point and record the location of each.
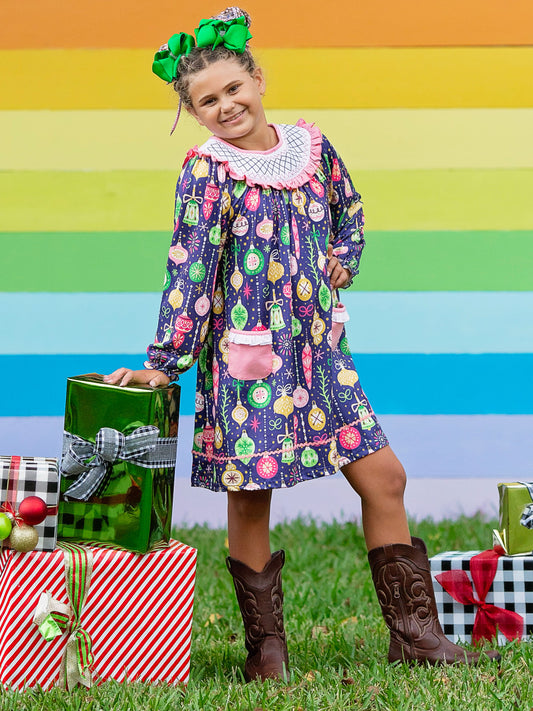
(32, 476)
(512, 589)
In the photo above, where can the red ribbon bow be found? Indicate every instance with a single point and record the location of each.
(489, 618)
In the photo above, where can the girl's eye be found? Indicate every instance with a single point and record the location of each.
(234, 88)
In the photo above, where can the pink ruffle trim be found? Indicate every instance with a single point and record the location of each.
(297, 181)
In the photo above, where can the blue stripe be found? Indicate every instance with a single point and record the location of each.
(381, 322)
(395, 383)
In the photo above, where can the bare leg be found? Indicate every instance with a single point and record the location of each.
(249, 527)
(379, 479)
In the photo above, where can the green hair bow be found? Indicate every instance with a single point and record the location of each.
(210, 33)
(166, 60)
(233, 34)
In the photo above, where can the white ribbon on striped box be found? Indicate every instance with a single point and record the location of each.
(138, 613)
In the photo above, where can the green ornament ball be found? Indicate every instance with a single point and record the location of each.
(5, 526)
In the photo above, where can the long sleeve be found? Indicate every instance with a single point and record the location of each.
(346, 212)
(199, 232)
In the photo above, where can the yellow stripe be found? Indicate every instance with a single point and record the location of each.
(143, 200)
(314, 78)
(370, 139)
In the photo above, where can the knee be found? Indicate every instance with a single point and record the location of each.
(249, 505)
(395, 481)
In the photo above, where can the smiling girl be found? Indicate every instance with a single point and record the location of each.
(268, 226)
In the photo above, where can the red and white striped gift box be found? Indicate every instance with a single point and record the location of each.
(138, 613)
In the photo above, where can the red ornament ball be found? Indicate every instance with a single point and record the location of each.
(33, 510)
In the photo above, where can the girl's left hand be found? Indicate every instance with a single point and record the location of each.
(338, 275)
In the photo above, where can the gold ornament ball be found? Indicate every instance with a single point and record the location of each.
(23, 538)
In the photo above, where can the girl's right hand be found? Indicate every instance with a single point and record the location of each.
(154, 378)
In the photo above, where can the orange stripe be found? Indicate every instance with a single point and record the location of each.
(366, 23)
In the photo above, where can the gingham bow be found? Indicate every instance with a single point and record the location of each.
(90, 462)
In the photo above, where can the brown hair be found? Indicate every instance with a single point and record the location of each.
(201, 57)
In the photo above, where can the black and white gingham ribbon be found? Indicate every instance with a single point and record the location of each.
(526, 519)
(90, 462)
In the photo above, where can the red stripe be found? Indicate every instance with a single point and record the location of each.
(110, 655)
(12, 483)
(160, 629)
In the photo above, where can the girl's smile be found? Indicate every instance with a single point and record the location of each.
(227, 100)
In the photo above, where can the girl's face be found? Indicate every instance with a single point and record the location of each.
(226, 99)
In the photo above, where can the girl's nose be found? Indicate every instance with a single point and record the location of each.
(227, 104)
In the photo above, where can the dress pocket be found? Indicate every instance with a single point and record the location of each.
(250, 354)
(339, 318)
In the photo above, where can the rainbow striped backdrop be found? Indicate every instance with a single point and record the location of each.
(433, 117)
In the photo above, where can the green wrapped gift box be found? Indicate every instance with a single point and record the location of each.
(117, 468)
(515, 533)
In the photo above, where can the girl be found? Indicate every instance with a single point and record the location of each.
(267, 226)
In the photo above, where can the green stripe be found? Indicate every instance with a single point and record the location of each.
(143, 200)
(447, 261)
(392, 261)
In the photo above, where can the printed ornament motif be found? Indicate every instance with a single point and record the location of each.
(317, 329)
(215, 235)
(324, 296)
(349, 437)
(208, 439)
(253, 199)
(200, 169)
(365, 420)
(202, 305)
(178, 254)
(254, 261)
(304, 288)
(175, 298)
(218, 301)
(265, 229)
(239, 315)
(192, 215)
(307, 364)
(309, 458)
(316, 417)
(239, 413)
(276, 314)
(267, 467)
(240, 226)
(347, 377)
(299, 200)
(260, 394)
(232, 477)
(236, 278)
(244, 447)
(287, 447)
(197, 271)
(300, 397)
(283, 405)
(315, 211)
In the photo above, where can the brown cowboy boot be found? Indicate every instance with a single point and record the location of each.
(402, 579)
(260, 599)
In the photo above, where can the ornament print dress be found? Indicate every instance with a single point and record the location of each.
(247, 295)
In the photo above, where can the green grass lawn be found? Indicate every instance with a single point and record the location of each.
(336, 636)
